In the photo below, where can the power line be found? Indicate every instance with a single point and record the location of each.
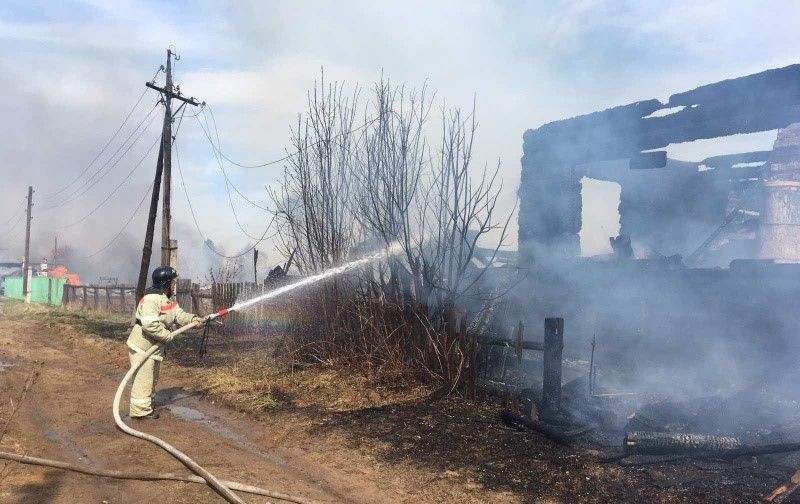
(219, 158)
(136, 166)
(103, 149)
(125, 226)
(228, 185)
(92, 181)
(288, 156)
(19, 215)
(12, 217)
(197, 226)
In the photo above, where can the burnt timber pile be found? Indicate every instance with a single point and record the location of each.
(695, 310)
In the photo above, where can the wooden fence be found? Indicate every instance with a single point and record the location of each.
(191, 297)
(119, 298)
(257, 318)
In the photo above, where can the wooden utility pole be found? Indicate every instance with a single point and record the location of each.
(166, 216)
(163, 171)
(26, 273)
(255, 265)
(147, 250)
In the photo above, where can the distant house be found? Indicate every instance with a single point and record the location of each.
(9, 269)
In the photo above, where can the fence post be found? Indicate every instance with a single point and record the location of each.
(551, 379)
(195, 304)
(49, 291)
(473, 355)
(96, 298)
(65, 296)
(123, 304)
(85, 296)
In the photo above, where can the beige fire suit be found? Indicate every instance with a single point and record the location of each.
(155, 314)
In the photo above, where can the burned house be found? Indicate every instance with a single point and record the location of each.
(706, 269)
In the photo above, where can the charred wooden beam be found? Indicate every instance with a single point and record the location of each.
(659, 443)
(497, 341)
(648, 160)
(759, 102)
(563, 437)
(628, 458)
(551, 379)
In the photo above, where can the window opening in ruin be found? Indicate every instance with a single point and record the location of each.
(599, 215)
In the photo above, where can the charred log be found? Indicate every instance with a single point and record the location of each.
(562, 437)
(656, 443)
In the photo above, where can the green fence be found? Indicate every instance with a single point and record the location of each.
(43, 290)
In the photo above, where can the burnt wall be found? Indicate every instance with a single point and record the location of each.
(549, 217)
(780, 222)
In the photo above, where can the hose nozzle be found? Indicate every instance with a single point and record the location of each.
(218, 314)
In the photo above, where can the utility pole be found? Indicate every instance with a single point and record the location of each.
(166, 216)
(26, 273)
(255, 265)
(163, 171)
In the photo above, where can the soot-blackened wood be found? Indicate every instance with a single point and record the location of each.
(525, 345)
(553, 433)
(551, 379)
(659, 443)
(473, 356)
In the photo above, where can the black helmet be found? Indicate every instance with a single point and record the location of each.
(162, 276)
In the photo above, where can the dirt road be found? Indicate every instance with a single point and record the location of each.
(66, 415)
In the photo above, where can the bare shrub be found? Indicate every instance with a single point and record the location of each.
(353, 188)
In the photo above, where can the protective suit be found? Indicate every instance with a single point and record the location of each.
(155, 314)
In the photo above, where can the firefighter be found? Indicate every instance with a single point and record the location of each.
(156, 313)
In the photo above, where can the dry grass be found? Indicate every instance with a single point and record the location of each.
(250, 381)
(261, 383)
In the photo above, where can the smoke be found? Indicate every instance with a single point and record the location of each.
(662, 327)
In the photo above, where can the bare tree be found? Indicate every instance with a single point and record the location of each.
(377, 184)
(314, 202)
(393, 162)
(458, 212)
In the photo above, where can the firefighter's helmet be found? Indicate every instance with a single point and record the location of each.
(163, 276)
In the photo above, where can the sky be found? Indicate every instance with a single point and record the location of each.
(71, 71)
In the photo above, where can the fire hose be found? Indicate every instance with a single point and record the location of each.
(212, 481)
(223, 488)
